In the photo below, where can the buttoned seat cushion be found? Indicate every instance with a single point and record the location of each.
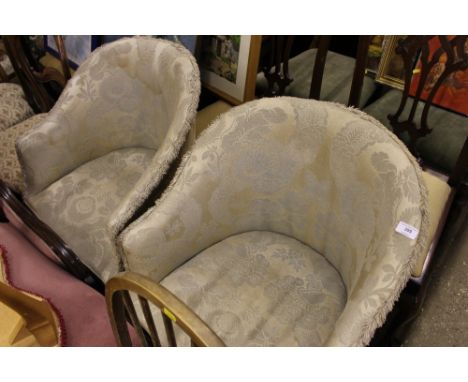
(336, 83)
(77, 206)
(443, 145)
(262, 289)
(10, 170)
(13, 106)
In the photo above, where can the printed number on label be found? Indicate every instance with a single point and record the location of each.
(407, 230)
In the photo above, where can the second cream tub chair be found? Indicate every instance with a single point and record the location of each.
(279, 227)
(105, 146)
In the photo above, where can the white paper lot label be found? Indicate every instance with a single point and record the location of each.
(407, 230)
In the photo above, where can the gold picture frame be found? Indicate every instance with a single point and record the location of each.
(391, 69)
(228, 65)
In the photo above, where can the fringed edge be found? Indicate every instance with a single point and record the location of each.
(369, 325)
(115, 228)
(59, 321)
(121, 237)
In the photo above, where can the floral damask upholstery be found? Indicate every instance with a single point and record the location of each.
(279, 226)
(107, 143)
(10, 169)
(13, 106)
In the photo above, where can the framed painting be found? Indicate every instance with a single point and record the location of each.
(391, 70)
(228, 65)
(453, 91)
(374, 54)
(77, 47)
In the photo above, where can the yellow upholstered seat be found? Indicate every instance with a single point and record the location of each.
(438, 193)
(209, 114)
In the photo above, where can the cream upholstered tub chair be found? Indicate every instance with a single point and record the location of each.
(107, 143)
(279, 227)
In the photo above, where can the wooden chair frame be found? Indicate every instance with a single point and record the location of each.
(276, 69)
(120, 306)
(33, 77)
(13, 209)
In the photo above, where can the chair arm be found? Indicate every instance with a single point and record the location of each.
(173, 308)
(54, 148)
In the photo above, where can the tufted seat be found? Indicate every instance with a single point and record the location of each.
(280, 225)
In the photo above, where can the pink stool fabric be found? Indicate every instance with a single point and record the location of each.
(82, 309)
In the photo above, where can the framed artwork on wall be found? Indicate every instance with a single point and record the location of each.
(228, 65)
(391, 70)
(453, 92)
(77, 47)
(374, 54)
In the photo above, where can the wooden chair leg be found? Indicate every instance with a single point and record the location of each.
(3, 218)
(399, 320)
(40, 231)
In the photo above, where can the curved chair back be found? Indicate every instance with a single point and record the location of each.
(135, 94)
(152, 297)
(330, 177)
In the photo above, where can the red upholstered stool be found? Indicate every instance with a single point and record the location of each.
(83, 310)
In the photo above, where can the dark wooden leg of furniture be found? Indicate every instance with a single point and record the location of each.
(276, 70)
(359, 71)
(407, 308)
(323, 43)
(399, 319)
(40, 232)
(3, 218)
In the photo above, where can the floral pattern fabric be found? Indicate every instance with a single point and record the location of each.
(78, 205)
(330, 177)
(136, 95)
(13, 106)
(10, 169)
(262, 289)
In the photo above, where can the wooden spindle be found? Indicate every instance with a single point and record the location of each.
(134, 318)
(169, 330)
(149, 321)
